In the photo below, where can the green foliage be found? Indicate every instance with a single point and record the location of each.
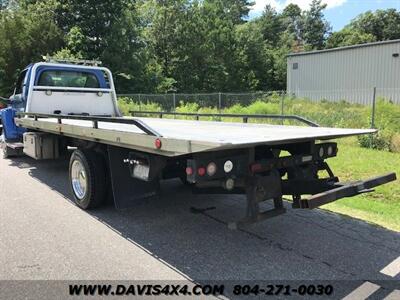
(109, 31)
(316, 28)
(26, 35)
(293, 20)
(126, 105)
(184, 46)
(382, 24)
(371, 26)
(271, 25)
(379, 141)
(348, 37)
(254, 62)
(91, 22)
(4, 4)
(65, 53)
(189, 107)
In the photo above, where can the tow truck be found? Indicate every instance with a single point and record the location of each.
(61, 106)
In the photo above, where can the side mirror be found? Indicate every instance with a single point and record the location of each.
(16, 99)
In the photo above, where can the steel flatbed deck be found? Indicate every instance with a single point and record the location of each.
(178, 137)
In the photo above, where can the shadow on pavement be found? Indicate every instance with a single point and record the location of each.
(299, 245)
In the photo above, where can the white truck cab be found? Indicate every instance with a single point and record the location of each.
(67, 89)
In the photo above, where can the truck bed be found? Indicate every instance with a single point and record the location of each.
(180, 137)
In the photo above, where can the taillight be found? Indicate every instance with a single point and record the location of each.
(157, 143)
(330, 151)
(211, 169)
(189, 171)
(201, 171)
(321, 152)
(228, 166)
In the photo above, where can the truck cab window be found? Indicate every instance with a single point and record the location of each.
(20, 83)
(68, 79)
(107, 79)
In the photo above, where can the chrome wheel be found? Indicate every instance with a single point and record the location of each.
(79, 179)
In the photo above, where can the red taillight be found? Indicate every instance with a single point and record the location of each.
(189, 171)
(158, 143)
(201, 171)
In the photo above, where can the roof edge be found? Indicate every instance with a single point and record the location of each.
(344, 48)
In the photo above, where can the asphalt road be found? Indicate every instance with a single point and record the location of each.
(44, 236)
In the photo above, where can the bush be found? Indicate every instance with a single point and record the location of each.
(126, 105)
(377, 141)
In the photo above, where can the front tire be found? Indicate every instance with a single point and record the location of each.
(5, 152)
(87, 177)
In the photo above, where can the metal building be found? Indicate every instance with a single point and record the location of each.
(347, 73)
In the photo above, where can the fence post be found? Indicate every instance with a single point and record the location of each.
(140, 103)
(219, 101)
(174, 100)
(282, 105)
(373, 109)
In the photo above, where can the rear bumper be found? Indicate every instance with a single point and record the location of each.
(341, 190)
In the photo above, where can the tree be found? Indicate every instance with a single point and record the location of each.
(316, 28)
(382, 24)
(254, 65)
(4, 4)
(25, 36)
(192, 44)
(95, 20)
(237, 10)
(348, 37)
(292, 19)
(279, 55)
(109, 31)
(368, 27)
(164, 22)
(271, 25)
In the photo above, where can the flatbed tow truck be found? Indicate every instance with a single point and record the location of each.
(58, 106)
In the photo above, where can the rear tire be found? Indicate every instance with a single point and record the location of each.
(87, 176)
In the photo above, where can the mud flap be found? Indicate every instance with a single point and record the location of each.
(125, 188)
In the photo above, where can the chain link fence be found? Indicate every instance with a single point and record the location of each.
(170, 102)
(365, 108)
(221, 100)
(360, 106)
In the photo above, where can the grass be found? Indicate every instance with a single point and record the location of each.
(381, 207)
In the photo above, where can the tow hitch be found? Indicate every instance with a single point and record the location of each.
(265, 176)
(329, 190)
(343, 190)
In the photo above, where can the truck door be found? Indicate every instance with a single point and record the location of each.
(18, 99)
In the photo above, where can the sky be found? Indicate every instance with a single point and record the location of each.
(338, 13)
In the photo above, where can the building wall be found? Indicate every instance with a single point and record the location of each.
(349, 74)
